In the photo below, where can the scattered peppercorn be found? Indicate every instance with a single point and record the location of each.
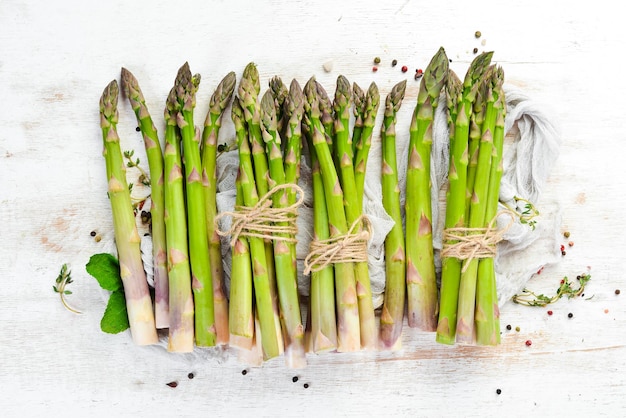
(498, 391)
(517, 329)
(306, 385)
(450, 59)
(138, 129)
(563, 253)
(374, 69)
(394, 63)
(570, 315)
(244, 372)
(571, 243)
(617, 291)
(566, 234)
(405, 68)
(418, 76)
(93, 233)
(477, 34)
(562, 247)
(377, 60)
(98, 238)
(529, 343)
(172, 384)
(191, 375)
(550, 313)
(294, 379)
(475, 50)
(509, 327)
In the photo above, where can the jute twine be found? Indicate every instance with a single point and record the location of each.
(474, 243)
(262, 220)
(350, 247)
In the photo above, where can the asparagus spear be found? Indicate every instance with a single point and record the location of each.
(279, 93)
(202, 283)
(372, 102)
(358, 96)
(465, 332)
(353, 207)
(152, 144)
(138, 301)
(345, 284)
(322, 323)
(284, 252)
(487, 313)
(181, 331)
(294, 110)
(392, 314)
(241, 316)
(266, 307)
(421, 279)
(461, 110)
(218, 103)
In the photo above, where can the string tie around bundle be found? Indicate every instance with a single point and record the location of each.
(350, 247)
(474, 243)
(262, 220)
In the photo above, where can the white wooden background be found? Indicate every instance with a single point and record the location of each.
(55, 59)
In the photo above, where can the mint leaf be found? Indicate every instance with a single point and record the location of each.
(115, 319)
(106, 270)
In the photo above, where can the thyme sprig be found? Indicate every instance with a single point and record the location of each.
(63, 279)
(565, 288)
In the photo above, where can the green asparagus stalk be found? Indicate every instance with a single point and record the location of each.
(392, 315)
(127, 240)
(372, 102)
(152, 144)
(465, 331)
(249, 89)
(181, 331)
(358, 97)
(279, 93)
(294, 110)
(345, 284)
(353, 207)
(487, 312)
(218, 103)
(266, 306)
(321, 318)
(241, 315)
(421, 279)
(284, 252)
(461, 99)
(202, 283)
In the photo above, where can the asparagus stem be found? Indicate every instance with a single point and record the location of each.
(266, 308)
(322, 319)
(457, 206)
(241, 316)
(219, 101)
(181, 331)
(353, 207)
(421, 279)
(249, 89)
(345, 284)
(284, 252)
(372, 102)
(202, 282)
(127, 240)
(358, 97)
(465, 331)
(392, 315)
(152, 144)
(487, 312)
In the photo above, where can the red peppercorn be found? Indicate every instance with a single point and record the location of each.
(172, 384)
(529, 343)
(405, 68)
(562, 247)
(374, 69)
(550, 313)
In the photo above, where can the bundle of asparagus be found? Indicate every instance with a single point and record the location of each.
(469, 312)
(338, 160)
(268, 172)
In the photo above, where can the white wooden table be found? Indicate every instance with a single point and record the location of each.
(55, 59)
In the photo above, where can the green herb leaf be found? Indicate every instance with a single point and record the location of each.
(106, 270)
(115, 319)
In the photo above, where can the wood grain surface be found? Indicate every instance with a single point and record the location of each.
(55, 59)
